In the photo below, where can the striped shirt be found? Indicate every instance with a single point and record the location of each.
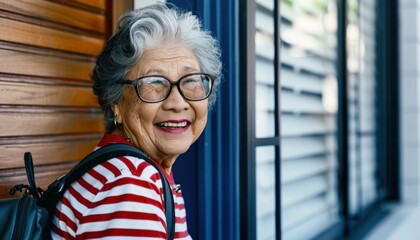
(121, 198)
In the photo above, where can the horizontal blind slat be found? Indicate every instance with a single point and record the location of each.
(308, 131)
(303, 190)
(295, 126)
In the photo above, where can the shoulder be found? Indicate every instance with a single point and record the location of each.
(101, 190)
(116, 189)
(124, 173)
(124, 167)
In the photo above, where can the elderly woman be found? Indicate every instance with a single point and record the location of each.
(155, 80)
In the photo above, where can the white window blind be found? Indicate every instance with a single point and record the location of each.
(265, 174)
(265, 119)
(308, 122)
(361, 97)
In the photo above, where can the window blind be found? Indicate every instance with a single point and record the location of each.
(308, 129)
(362, 104)
(265, 119)
(308, 126)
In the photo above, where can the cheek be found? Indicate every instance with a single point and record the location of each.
(144, 113)
(201, 116)
(136, 112)
(200, 126)
(133, 109)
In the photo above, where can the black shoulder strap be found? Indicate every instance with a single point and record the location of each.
(103, 154)
(29, 166)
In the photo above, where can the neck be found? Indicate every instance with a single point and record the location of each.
(165, 163)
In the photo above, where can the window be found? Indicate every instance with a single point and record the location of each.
(311, 172)
(361, 104)
(308, 118)
(308, 95)
(266, 118)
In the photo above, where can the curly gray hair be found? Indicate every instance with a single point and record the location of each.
(143, 29)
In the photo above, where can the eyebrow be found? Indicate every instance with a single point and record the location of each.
(161, 71)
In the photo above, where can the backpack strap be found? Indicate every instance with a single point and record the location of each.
(29, 166)
(57, 188)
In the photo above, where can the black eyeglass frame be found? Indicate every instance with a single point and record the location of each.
(135, 81)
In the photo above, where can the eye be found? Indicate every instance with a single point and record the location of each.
(153, 88)
(193, 80)
(155, 81)
(195, 87)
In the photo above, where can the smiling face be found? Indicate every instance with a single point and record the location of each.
(165, 129)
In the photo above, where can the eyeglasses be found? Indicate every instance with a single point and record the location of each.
(153, 89)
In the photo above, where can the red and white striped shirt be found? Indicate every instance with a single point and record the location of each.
(121, 198)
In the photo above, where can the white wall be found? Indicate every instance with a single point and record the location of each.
(143, 3)
(410, 100)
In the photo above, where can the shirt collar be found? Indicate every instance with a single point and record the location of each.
(109, 138)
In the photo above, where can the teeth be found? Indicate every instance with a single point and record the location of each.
(173, 125)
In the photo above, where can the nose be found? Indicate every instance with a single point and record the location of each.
(175, 101)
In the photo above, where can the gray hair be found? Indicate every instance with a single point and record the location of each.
(143, 29)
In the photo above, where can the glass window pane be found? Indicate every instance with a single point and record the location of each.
(361, 99)
(266, 194)
(264, 69)
(309, 104)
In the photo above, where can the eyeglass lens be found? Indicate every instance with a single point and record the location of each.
(192, 87)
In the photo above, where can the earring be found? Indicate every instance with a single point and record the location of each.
(117, 125)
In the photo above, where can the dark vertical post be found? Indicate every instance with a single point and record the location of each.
(277, 87)
(247, 115)
(343, 166)
(390, 95)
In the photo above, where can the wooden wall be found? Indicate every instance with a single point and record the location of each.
(47, 50)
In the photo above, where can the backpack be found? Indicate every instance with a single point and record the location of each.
(30, 216)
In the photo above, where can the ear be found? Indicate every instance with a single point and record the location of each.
(117, 112)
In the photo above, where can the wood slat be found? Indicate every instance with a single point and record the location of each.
(94, 3)
(30, 34)
(47, 51)
(44, 176)
(58, 13)
(48, 123)
(40, 94)
(52, 152)
(15, 62)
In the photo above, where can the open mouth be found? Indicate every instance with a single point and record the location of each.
(173, 125)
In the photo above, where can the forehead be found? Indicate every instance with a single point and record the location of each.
(166, 59)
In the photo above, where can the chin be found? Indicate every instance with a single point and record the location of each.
(178, 150)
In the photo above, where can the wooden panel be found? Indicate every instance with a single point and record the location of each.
(47, 51)
(41, 94)
(25, 33)
(95, 3)
(44, 175)
(56, 13)
(39, 65)
(47, 123)
(51, 150)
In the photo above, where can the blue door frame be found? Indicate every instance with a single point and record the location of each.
(209, 171)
